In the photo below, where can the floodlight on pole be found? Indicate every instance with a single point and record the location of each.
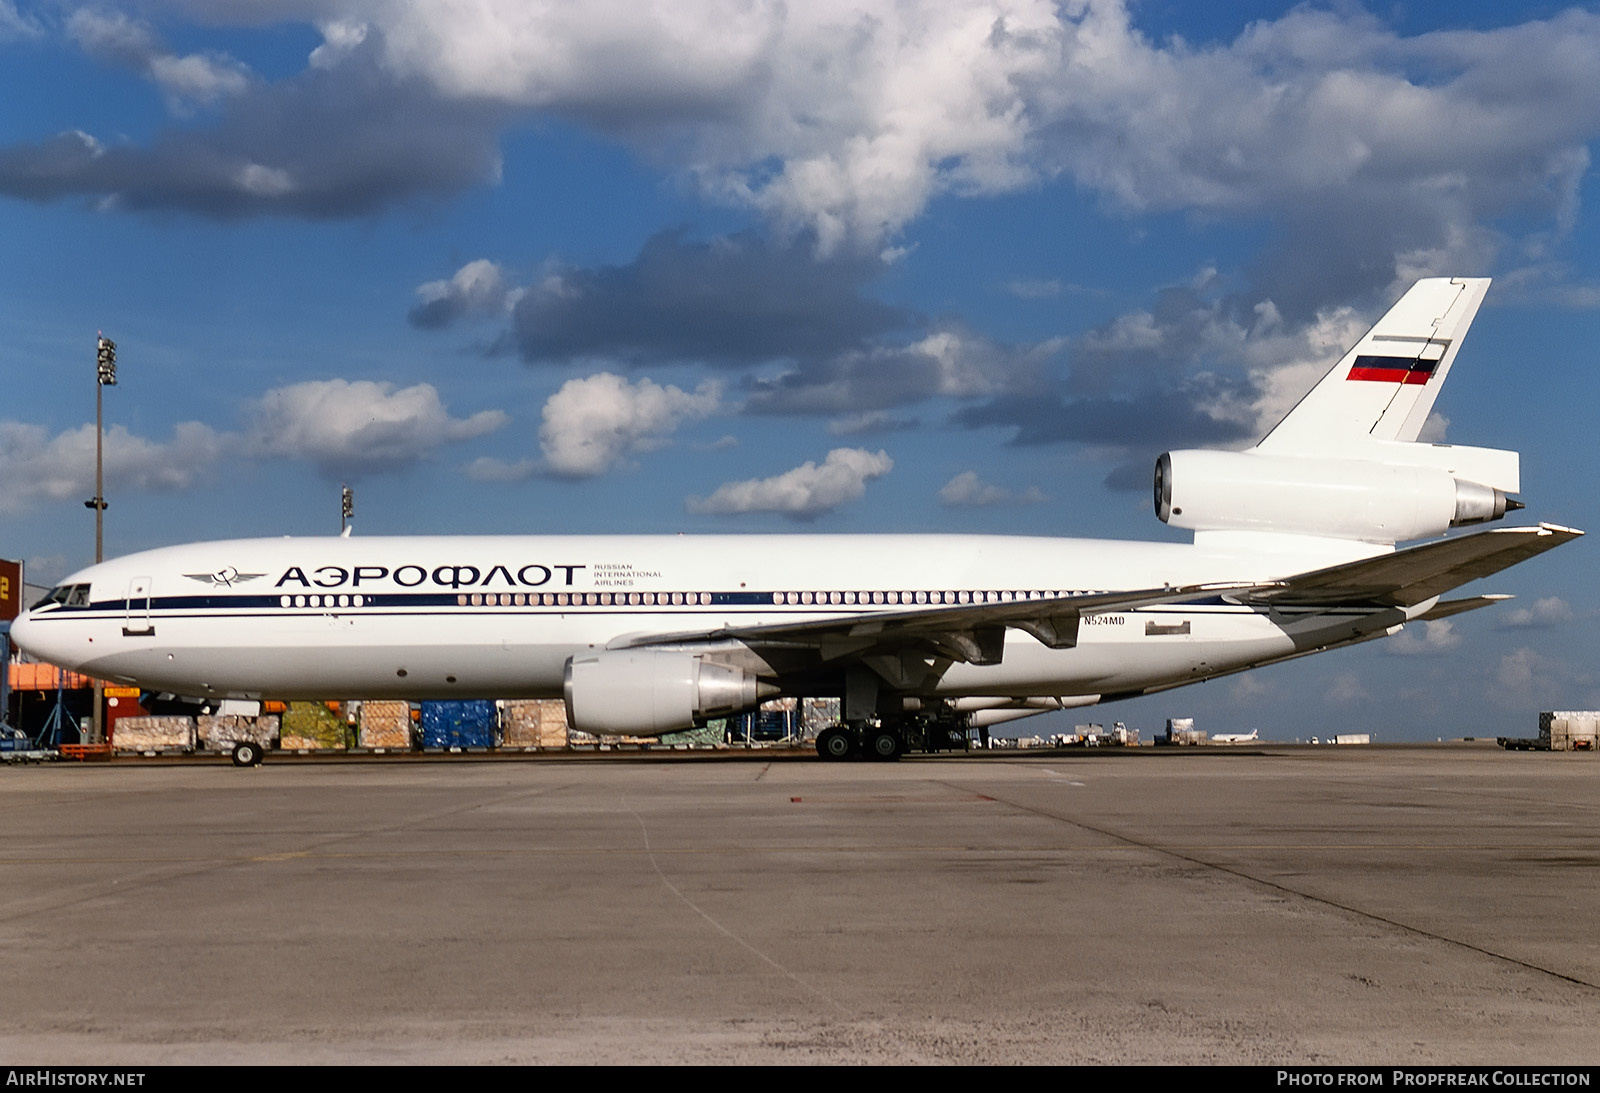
(105, 375)
(106, 362)
(347, 507)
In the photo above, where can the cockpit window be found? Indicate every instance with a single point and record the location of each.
(58, 594)
(66, 595)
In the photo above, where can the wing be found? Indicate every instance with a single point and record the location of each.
(974, 633)
(1410, 576)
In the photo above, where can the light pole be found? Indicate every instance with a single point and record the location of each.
(347, 508)
(105, 376)
(105, 360)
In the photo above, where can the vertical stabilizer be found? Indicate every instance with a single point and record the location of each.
(1384, 387)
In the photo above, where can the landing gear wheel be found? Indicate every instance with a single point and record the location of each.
(247, 753)
(885, 745)
(835, 744)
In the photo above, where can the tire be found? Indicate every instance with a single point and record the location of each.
(247, 753)
(885, 745)
(835, 744)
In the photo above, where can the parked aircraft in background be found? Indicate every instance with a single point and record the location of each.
(1235, 737)
(1293, 553)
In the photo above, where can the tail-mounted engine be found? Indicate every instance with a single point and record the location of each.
(1369, 500)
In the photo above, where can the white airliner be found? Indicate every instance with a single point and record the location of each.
(1235, 737)
(1293, 554)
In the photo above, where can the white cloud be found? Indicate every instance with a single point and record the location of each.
(1435, 639)
(844, 118)
(847, 118)
(594, 423)
(870, 421)
(44, 570)
(1542, 613)
(874, 109)
(1394, 156)
(339, 426)
(967, 490)
(803, 493)
(948, 363)
(339, 39)
(198, 78)
(1346, 689)
(488, 469)
(1283, 363)
(1434, 429)
(14, 25)
(478, 289)
(1521, 669)
(1036, 289)
(1249, 687)
(35, 466)
(195, 79)
(359, 426)
(1194, 339)
(262, 181)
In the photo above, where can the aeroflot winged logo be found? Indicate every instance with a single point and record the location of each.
(532, 575)
(227, 577)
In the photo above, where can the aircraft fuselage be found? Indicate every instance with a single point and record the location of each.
(435, 617)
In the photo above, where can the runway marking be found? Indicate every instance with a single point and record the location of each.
(1058, 776)
(729, 934)
(1188, 855)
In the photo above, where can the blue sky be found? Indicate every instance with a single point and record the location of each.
(524, 267)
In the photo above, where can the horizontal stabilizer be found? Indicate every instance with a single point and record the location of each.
(1410, 576)
(1445, 608)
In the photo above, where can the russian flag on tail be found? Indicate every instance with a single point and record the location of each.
(1393, 369)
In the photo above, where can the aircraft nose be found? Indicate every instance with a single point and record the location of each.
(21, 627)
(29, 634)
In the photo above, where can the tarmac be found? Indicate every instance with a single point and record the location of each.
(1424, 905)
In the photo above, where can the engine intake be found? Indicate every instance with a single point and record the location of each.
(646, 692)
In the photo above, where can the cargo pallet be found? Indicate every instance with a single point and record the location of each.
(86, 752)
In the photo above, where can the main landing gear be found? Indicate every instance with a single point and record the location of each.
(888, 738)
(881, 742)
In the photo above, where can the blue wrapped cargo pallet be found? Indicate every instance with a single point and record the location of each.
(468, 724)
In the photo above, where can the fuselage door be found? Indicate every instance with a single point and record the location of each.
(137, 623)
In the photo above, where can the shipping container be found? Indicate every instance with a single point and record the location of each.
(385, 724)
(155, 734)
(220, 732)
(312, 725)
(459, 724)
(534, 723)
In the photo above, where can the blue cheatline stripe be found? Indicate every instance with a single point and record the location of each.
(896, 598)
(444, 606)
